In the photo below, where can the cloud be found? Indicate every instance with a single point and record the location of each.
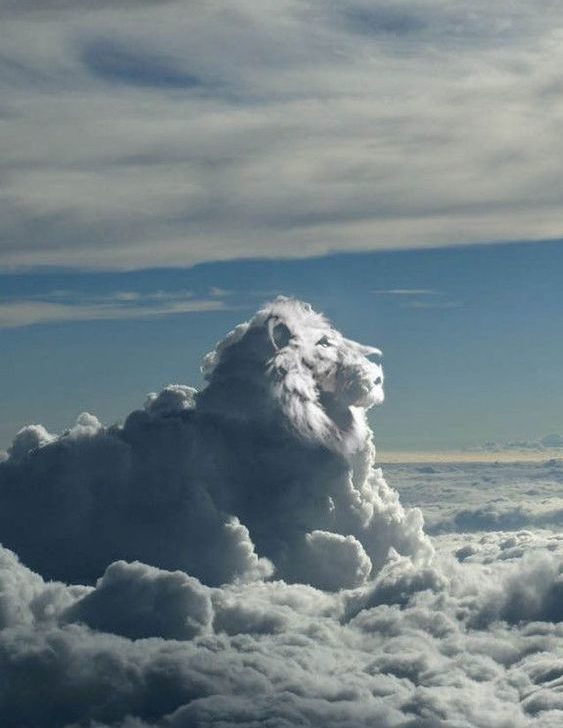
(273, 461)
(249, 565)
(63, 306)
(470, 651)
(551, 441)
(531, 591)
(385, 19)
(54, 7)
(407, 292)
(185, 132)
(136, 600)
(428, 298)
(433, 304)
(121, 64)
(501, 517)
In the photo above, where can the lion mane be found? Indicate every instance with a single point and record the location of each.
(303, 369)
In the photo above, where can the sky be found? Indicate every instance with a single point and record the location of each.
(470, 337)
(208, 515)
(153, 152)
(171, 133)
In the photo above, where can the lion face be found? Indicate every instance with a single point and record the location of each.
(323, 381)
(306, 342)
(292, 356)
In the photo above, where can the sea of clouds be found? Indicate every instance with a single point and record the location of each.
(234, 556)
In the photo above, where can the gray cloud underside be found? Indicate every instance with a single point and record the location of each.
(172, 133)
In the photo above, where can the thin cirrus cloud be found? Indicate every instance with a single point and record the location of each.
(187, 132)
(406, 292)
(421, 298)
(61, 306)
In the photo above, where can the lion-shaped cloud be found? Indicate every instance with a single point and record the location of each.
(296, 392)
(269, 469)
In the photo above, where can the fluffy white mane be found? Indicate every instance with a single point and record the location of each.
(322, 382)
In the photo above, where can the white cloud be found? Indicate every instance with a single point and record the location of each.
(185, 132)
(121, 305)
(477, 648)
(407, 292)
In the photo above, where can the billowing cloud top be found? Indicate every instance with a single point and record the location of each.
(236, 559)
(267, 470)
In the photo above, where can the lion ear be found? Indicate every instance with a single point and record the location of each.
(280, 335)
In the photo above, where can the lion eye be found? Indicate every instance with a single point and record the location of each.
(323, 341)
(281, 335)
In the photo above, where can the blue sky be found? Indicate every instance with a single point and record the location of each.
(372, 154)
(471, 336)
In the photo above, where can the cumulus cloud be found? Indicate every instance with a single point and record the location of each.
(29, 438)
(146, 647)
(247, 563)
(136, 600)
(501, 517)
(271, 465)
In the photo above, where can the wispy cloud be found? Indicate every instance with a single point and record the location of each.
(217, 292)
(406, 292)
(206, 131)
(61, 306)
(432, 304)
(418, 297)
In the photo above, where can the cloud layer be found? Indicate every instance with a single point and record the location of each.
(185, 132)
(146, 647)
(242, 561)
